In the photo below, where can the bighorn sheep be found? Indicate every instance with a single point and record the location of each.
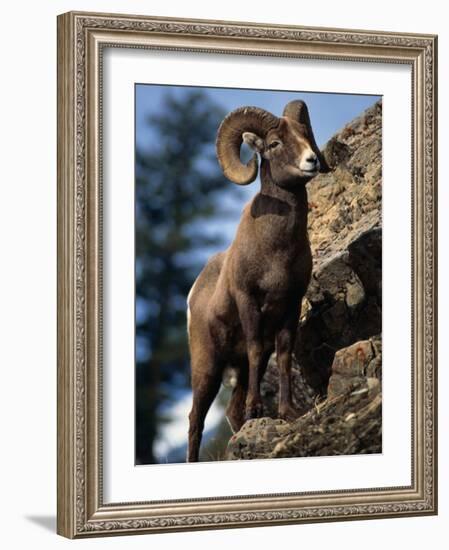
(246, 302)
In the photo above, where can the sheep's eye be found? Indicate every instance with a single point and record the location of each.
(274, 144)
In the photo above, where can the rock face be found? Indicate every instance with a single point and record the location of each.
(343, 305)
(343, 302)
(336, 373)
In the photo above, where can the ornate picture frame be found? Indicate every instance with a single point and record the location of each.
(82, 40)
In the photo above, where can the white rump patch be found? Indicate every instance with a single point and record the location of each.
(190, 293)
(188, 308)
(188, 320)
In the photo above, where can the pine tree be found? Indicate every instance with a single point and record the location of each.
(178, 187)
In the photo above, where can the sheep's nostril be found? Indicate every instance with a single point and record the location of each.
(312, 158)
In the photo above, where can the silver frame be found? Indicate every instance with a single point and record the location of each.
(81, 40)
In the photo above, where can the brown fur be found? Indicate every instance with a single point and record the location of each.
(246, 302)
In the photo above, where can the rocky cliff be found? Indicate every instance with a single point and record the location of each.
(338, 358)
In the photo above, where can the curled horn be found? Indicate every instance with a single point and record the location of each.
(297, 110)
(229, 140)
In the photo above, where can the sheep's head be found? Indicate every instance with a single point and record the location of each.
(286, 142)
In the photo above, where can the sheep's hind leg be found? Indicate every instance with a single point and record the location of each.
(205, 387)
(235, 411)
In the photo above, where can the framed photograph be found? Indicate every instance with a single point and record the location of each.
(246, 274)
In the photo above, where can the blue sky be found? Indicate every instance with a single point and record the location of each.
(328, 112)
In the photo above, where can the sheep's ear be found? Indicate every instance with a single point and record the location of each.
(254, 141)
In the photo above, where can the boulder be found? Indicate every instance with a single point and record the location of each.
(348, 421)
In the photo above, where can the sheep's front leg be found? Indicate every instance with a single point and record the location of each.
(285, 341)
(251, 321)
(254, 406)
